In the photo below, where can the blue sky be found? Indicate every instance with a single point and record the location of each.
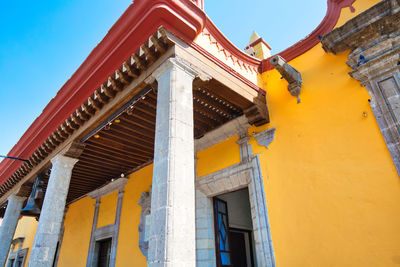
(43, 42)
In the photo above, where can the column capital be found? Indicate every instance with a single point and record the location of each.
(177, 62)
(67, 161)
(14, 197)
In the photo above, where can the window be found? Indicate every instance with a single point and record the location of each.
(222, 232)
(17, 259)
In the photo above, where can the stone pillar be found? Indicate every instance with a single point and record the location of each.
(48, 229)
(7, 228)
(172, 224)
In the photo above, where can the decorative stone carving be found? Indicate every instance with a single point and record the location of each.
(265, 138)
(381, 19)
(290, 74)
(374, 38)
(108, 231)
(145, 203)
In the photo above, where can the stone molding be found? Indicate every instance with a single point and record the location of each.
(374, 64)
(222, 133)
(238, 176)
(382, 18)
(248, 174)
(265, 137)
(108, 231)
(374, 38)
(117, 184)
(145, 203)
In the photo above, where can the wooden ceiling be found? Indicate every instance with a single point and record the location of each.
(126, 143)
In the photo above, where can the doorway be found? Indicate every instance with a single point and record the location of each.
(233, 229)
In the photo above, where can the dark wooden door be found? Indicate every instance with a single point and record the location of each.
(238, 248)
(104, 253)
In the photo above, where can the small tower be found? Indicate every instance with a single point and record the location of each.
(258, 47)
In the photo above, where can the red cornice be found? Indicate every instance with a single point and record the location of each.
(142, 18)
(327, 24)
(228, 46)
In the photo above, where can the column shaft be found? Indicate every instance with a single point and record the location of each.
(172, 226)
(48, 230)
(7, 228)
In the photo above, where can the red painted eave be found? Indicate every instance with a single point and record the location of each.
(326, 25)
(182, 18)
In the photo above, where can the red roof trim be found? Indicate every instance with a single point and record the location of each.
(225, 67)
(327, 24)
(139, 21)
(227, 45)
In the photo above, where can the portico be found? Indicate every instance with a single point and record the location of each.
(150, 110)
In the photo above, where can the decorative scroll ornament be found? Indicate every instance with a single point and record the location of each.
(265, 138)
(144, 225)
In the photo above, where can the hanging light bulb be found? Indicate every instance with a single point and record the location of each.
(129, 111)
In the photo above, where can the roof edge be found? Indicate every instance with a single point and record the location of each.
(141, 19)
(327, 24)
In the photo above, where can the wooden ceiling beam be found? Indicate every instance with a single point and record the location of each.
(117, 152)
(131, 137)
(108, 160)
(127, 142)
(114, 144)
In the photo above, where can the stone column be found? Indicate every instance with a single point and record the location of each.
(48, 229)
(7, 228)
(172, 224)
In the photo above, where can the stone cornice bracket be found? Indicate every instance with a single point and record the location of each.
(266, 137)
(290, 74)
(381, 19)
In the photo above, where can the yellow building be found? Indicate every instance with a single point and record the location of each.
(171, 147)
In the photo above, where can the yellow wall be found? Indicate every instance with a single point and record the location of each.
(78, 227)
(332, 190)
(107, 210)
(217, 157)
(26, 228)
(128, 243)
(79, 219)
